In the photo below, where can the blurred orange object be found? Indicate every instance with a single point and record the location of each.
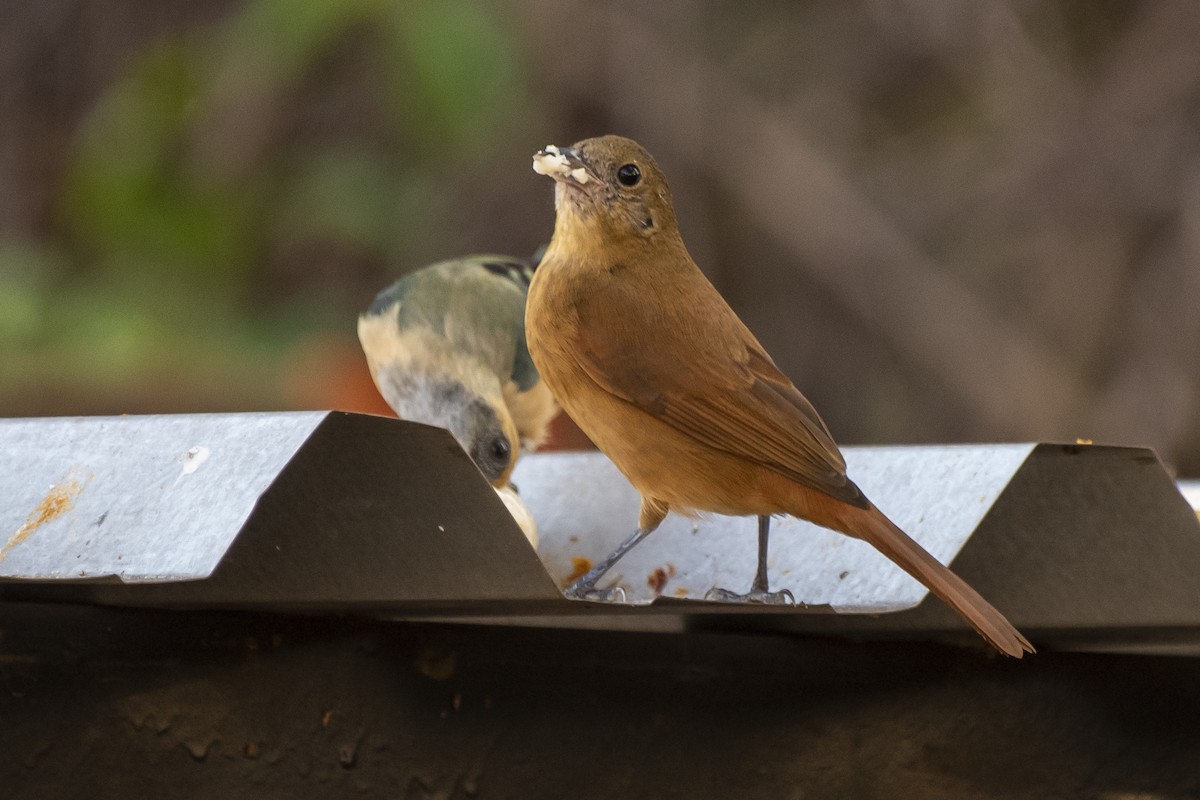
(328, 371)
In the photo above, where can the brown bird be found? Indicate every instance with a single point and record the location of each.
(649, 360)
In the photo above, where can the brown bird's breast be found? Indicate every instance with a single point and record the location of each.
(656, 457)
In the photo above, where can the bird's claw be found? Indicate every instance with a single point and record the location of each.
(783, 597)
(578, 591)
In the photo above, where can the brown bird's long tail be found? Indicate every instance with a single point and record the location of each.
(875, 528)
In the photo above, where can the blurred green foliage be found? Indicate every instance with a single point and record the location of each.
(202, 169)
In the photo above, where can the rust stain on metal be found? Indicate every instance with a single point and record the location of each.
(657, 580)
(58, 501)
(579, 568)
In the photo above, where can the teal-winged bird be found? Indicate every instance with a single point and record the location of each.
(446, 346)
(655, 367)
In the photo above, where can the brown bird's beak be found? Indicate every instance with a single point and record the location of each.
(566, 166)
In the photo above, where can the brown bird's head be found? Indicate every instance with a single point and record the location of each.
(609, 187)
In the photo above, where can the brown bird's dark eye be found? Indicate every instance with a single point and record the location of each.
(629, 174)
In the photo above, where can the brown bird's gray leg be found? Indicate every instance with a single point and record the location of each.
(585, 587)
(758, 589)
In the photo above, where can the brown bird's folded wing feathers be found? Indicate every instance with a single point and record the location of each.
(732, 398)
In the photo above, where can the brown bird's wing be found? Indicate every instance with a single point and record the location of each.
(729, 395)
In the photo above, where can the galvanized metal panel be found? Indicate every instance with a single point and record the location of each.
(143, 498)
(1088, 547)
(585, 507)
(291, 510)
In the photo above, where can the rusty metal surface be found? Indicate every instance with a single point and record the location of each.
(112, 704)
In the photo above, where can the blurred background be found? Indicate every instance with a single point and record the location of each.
(946, 221)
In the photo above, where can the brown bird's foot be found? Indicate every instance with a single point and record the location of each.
(581, 590)
(756, 595)
(585, 587)
(758, 589)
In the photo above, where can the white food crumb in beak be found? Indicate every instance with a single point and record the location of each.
(552, 162)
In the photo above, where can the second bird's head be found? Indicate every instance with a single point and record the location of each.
(481, 425)
(608, 186)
